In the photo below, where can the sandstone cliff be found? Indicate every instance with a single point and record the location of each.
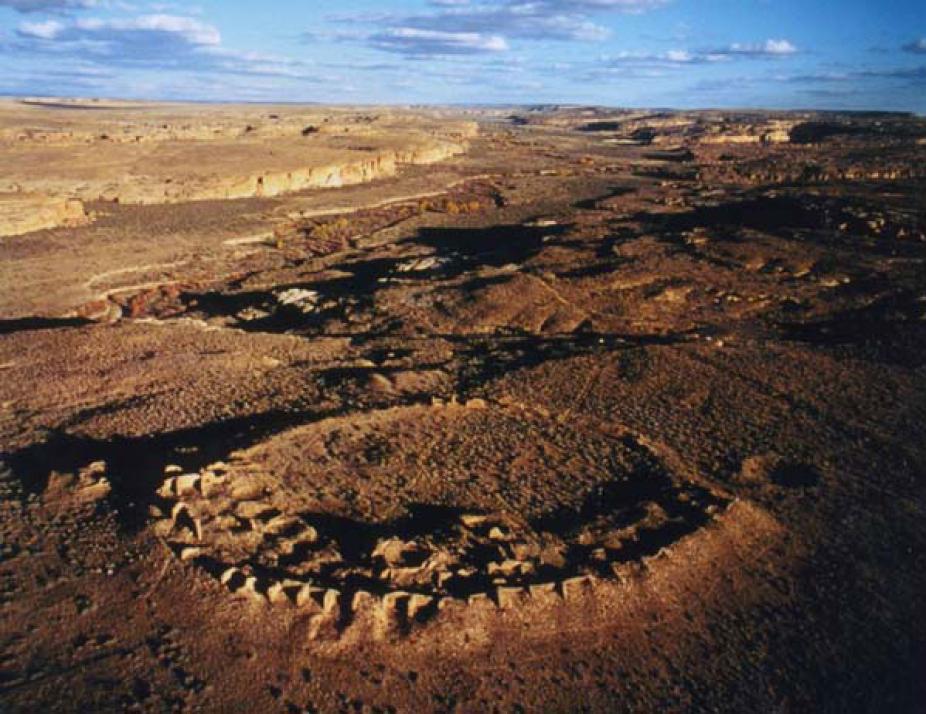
(23, 213)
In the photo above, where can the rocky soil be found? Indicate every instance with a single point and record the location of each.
(613, 411)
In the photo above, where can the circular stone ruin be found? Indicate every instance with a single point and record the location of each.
(421, 504)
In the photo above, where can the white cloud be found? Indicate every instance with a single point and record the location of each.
(47, 5)
(917, 47)
(164, 38)
(628, 6)
(192, 30)
(670, 58)
(500, 20)
(155, 41)
(415, 41)
(769, 48)
(679, 56)
(47, 30)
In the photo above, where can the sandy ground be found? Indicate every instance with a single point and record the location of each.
(608, 412)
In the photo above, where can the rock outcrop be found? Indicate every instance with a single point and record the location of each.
(168, 154)
(26, 212)
(152, 190)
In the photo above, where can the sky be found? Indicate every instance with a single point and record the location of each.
(834, 54)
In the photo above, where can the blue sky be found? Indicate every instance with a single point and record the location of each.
(651, 53)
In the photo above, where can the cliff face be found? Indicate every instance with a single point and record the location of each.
(756, 132)
(383, 164)
(172, 154)
(23, 213)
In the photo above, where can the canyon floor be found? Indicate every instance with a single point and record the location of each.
(536, 409)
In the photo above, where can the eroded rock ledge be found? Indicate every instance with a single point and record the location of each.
(169, 154)
(27, 212)
(277, 182)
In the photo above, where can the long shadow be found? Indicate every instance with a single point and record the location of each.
(676, 172)
(594, 126)
(358, 287)
(619, 236)
(135, 465)
(830, 222)
(25, 324)
(681, 155)
(458, 250)
(590, 204)
(70, 107)
(812, 132)
(769, 213)
(467, 248)
(623, 503)
(890, 330)
(485, 359)
(357, 539)
(480, 358)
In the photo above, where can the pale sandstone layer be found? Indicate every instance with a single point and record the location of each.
(152, 154)
(27, 212)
